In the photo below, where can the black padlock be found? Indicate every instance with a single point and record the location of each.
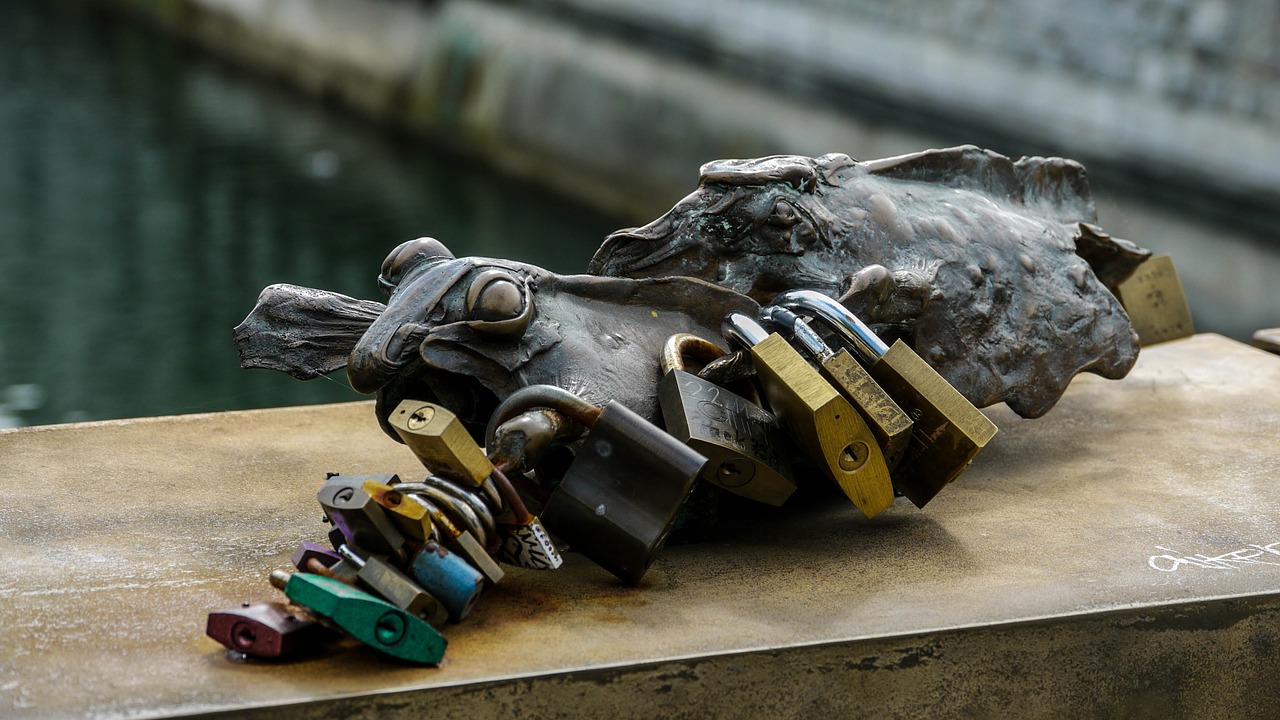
(360, 520)
(620, 495)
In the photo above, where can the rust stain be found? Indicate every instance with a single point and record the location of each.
(610, 617)
(503, 605)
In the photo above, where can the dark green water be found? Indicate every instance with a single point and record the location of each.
(148, 193)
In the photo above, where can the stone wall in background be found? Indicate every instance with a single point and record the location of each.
(618, 102)
(1178, 91)
(1220, 55)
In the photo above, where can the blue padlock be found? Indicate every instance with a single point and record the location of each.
(449, 578)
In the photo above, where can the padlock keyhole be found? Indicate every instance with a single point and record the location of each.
(244, 636)
(853, 456)
(735, 473)
(421, 417)
(389, 629)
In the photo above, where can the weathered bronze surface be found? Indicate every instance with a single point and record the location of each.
(468, 332)
(981, 263)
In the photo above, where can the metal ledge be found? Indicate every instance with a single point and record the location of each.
(1120, 556)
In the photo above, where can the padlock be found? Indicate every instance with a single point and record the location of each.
(406, 510)
(313, 558)
(461, 542)
(889, 424)
(372, 621)
(1153, 298)
(464, 508)
(362, 521)
(741, 440)
(307, 550)
(454, 582)
(442, 444)
(395, 587)
(949, 431)
(620, 495)
(267, 630)
(834, 435)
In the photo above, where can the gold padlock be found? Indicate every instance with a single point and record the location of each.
(442, 444)
(440, 441)
(949, 431)
(405, 510)
(887, 421)
(1157, 307)
(741, 440)
(824, 422)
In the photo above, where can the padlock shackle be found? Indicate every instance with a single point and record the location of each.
(461, 510)
(793, 326)
(439, 519)
(350, 556)
(681, 344)
(741, 328)
(541, 396)
(511, 498)
(839, 318)
(526, 436)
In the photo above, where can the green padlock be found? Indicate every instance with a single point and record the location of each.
(376, 623)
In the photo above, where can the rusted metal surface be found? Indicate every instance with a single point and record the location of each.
(1117, 557)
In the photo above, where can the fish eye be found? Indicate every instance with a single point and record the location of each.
(783, 214)
(407, 256)
(498, 303)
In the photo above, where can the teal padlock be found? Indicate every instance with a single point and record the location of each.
(374, 622)
(449, 578)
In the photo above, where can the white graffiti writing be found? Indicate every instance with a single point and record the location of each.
(1234, 560)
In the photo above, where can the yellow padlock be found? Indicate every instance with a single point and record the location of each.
(831, 431)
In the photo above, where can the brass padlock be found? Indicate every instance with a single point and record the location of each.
(833, 434)
(1153, 298)
(887, 421)
(949, 431)
(742, 441)
(442, 444)
(620, 495)
(407, 511)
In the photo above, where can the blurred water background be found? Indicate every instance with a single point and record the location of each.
(148, 192)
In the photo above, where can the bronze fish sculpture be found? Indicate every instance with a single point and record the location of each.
(988, 267)
(468, 332)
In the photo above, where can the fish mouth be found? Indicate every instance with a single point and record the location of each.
(376, 360)
(465, 396)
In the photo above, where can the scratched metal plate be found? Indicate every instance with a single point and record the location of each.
(1116, 557)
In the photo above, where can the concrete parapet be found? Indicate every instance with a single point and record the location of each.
(619, 102)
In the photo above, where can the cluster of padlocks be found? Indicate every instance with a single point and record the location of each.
(408, 557)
